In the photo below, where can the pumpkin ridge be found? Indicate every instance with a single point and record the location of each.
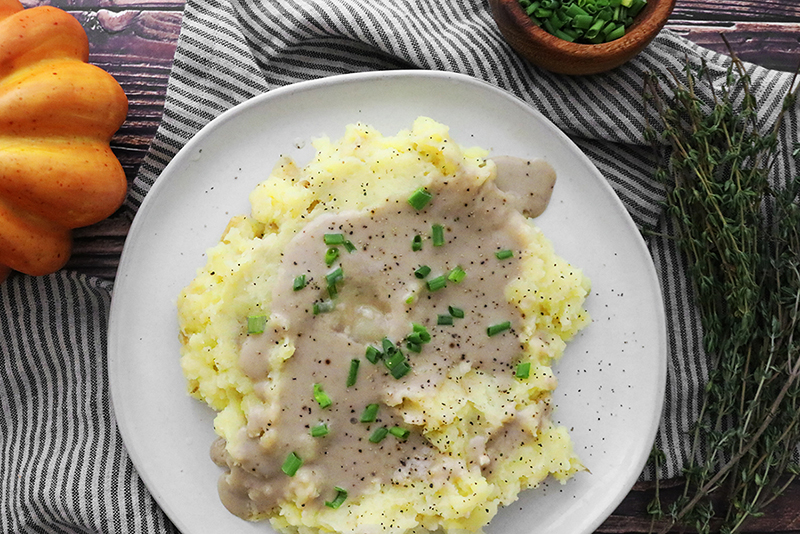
(61, 97)
(73, 188)
(28, 36)
(31, 245)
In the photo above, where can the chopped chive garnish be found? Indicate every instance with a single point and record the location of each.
(320, 430)
(416, 243)
(333, 239)
(335, 275)
(352, 375)
(400, 370)
(414, 347)
(456, 312)
(523, 370)
(437, 235)
(388, 346)
(444, 320)
(369, 413)
(341, 496)
(414, 337)
(322, 307)
(372, 354)
(299, 282)
(424, 335)
(396, 363)
(256, 324)
(422, 271)
(395, 359)
(419, 198)
(378, 434)
(399, 433)
(504, 254)
(349, 246)
(291, 464)
(583, 21)
(321, 397)
(498, 328)
(457, 275)
(332, 278)
(330, 256)
(435, 284)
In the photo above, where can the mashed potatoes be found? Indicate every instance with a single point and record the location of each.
(377, 339)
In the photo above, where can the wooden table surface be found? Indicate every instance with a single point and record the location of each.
(135, 40)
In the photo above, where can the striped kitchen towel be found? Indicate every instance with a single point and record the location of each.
(63, 467)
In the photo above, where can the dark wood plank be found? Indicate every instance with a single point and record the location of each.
(775, 46)
(738, 10)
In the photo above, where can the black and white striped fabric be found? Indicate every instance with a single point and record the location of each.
(63, 467)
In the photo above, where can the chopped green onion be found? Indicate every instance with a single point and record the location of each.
(388, 346)
(523, 370)
(457, 275)
(414, 347)
(333, 239)
(444, 320)
(424, 335)
(334, 276)
(373, 354)
(414, 337)
(435, 284)
(437, 235)
(395, 359)
(397, 364)
(504, 254)
(341, 496)
(583, 21)
(416, 243)
(322, 307)
(419, 198)
(321, 397)
(256, 324)
(378, 434)
(349, 246)
(400, 370)
(352, 375)
(456, 312)
(330, 256)
(399, 433)
(422, 271)
(291, 464)
(369, 413)
(299, 282)
(616, 33)
(498, 328)
(320, 430)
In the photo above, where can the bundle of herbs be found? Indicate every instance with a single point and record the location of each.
(739, 227)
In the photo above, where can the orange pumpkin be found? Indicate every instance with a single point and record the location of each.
(57, 116)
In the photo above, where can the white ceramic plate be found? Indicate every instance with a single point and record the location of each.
(612, 376)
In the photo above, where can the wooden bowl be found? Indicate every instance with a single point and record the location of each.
(564, 57)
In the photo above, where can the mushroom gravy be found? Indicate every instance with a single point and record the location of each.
(378, 297)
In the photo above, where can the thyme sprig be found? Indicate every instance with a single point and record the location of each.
(739, 227)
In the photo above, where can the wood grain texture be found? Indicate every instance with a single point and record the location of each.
(135, 40)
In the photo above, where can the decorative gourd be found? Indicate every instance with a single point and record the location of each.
(57, 116)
